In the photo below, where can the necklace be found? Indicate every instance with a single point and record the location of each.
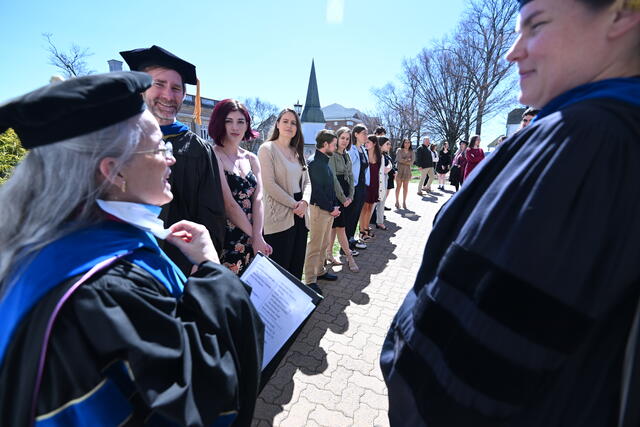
(233, 162)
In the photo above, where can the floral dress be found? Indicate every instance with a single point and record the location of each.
(237, 252)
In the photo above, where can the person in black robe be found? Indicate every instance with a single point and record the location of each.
(522, 309)
(194, 360)
(197, 189)
(100, 327)
(200, 193)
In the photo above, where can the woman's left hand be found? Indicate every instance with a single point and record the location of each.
(259, 245)
(300, 209)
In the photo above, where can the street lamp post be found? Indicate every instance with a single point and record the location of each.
(298, 107)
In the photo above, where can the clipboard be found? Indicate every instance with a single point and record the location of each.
(291, 280)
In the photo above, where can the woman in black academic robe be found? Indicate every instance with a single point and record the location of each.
(100, 327)
(525, 309)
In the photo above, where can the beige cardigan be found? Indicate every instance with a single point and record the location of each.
(278, 189)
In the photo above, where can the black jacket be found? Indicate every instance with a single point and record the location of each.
(322, 191)
(423, 157)
(192, 359)
(197, 192)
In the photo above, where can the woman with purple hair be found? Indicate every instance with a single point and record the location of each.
(230, 125)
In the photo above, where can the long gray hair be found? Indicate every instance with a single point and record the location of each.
(54, 189)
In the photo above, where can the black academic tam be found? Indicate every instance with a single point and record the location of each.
(74, 107)
(139, 59)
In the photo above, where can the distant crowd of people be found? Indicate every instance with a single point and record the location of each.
(350, 176)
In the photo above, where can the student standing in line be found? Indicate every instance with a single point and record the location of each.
(404, 160)
(528, 116)
(324, 208)
(444, 165)
(424, 162)
(473, 155)
(230, 124)
(456, 177)
(376, 185)
(360, 167)
(340, 164)
(385, 146)
(285, 178)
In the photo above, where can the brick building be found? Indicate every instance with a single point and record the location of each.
(185, 115)
(337, 116)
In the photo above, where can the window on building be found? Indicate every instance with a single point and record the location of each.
(335, 123)
(349, 123)
(204, 134)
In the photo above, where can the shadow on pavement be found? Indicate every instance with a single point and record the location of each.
(306, 354)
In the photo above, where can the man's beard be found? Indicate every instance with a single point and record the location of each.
(162, 115)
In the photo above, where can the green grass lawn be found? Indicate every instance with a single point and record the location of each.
(415, 172)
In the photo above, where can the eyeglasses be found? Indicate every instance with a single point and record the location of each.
(167, 151)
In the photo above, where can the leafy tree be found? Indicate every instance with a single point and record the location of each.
(11, 152)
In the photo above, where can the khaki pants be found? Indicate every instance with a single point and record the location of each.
(320, 222)
(424, 174)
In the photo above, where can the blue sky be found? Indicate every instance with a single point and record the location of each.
(241, 49)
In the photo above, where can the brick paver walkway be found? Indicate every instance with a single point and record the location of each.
(331, 375)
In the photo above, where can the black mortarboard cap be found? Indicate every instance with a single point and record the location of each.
(139, 59)
(74, 107)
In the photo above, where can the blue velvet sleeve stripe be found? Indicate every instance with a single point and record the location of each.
(487, 371)
(104, 405)
(75, 254)
(496, 336)
(528, 311)
(440, 396)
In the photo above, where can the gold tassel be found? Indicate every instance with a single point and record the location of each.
(633, 5)
(123, 186)
(197, 109)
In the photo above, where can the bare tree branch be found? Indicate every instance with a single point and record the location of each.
(457, 83)
(72, 63)
(262, 114)
(480, 44)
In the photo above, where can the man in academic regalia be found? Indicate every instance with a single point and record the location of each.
(199, 193)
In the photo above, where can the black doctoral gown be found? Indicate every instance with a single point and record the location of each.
(191, 361)
(522, 306)
(197, 192)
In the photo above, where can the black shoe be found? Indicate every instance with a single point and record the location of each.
(328, 276)
(315, 288)
(387, 209)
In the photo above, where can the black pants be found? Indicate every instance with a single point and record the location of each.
(290, 246)
(354, 209)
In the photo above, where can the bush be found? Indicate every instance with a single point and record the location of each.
(11, 152)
